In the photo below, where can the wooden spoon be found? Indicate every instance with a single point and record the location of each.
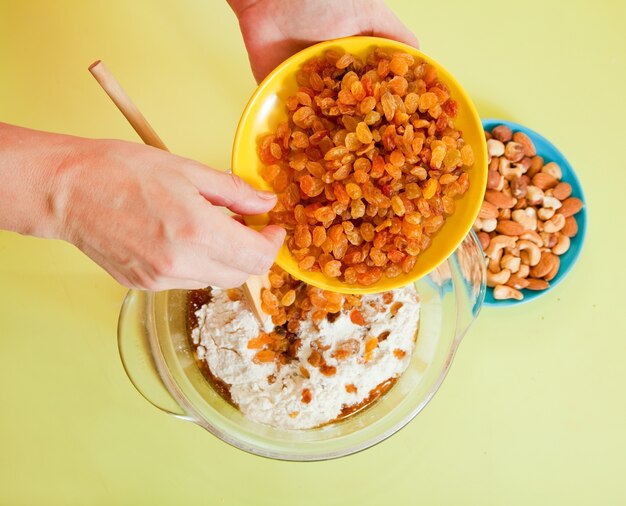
(252, 287)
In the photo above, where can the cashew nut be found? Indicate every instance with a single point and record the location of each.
(493, 264)
(551, 202)
(545, 213)
(498, 243)
(534, 195)
(534, 253)
(526, 217)
(498, 278)
(490, 224)
(525, 162)
(532, 236)
(502, 292)
(524, 271)
(555, 224)
(478, 225)
(510, 170)
(525, 257)
(495, 147)
(548, 240)
(562, 244)
(519, 187)
(511, 263)
(553, 169)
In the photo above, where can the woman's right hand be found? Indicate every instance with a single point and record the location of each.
(153, 220)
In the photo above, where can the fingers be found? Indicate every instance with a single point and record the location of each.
(217, 250)
(169, 284)
(228, 190)
(201, 274)
(191, 271)
(240, 247)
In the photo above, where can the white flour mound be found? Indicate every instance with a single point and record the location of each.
(225, 327)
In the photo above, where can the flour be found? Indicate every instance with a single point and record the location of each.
(225, 327)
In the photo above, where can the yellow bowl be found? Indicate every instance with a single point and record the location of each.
(266, 108)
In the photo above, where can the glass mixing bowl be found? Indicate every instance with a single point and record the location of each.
(159, 361)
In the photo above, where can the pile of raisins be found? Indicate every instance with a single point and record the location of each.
(367, 166)
(290, 301)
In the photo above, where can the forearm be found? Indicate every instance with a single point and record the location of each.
(29, 162)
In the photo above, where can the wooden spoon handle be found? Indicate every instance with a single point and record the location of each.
(127, 107)
(252, 287)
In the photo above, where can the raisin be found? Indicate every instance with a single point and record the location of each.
(315, 358)
(328, 370)
(264, 356)
(303, 117)
(370, 277)
(332, 269)
(319, 234)
(363, 133)
(430, 188)
(356, 317)
(395, 308)
(289, 298)
(302, 236)
(399, 354)
(311, 186)
(398, 66)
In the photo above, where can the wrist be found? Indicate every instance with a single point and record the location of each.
(29, 165)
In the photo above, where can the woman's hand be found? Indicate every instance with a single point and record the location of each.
(152, 219)
(273, 30)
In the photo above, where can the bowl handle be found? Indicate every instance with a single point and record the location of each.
(136, 355)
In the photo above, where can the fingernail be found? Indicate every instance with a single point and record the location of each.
(266, 195)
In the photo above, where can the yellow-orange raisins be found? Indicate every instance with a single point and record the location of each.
(370, 141)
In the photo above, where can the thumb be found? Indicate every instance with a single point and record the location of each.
(275, 234)
(230, 191)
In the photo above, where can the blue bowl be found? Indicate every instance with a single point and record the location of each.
(550, 153)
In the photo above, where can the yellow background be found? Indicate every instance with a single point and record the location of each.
(534, 408)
